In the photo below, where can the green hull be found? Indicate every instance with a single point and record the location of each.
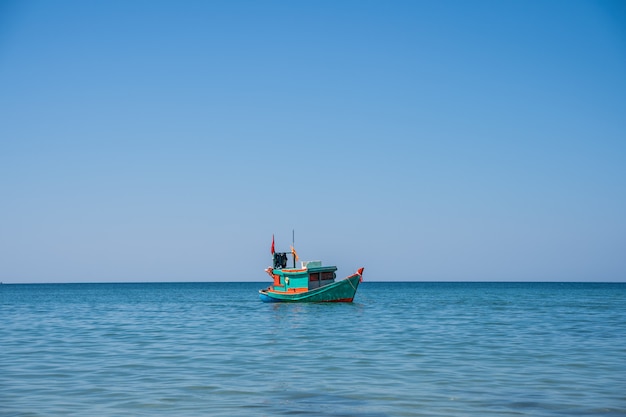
(340, 291)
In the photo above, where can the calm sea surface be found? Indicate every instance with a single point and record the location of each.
(401, 349)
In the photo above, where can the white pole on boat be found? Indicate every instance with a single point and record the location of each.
(293, 242)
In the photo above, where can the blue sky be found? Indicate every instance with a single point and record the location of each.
(423, 140)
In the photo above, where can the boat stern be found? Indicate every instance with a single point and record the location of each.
(266, 298)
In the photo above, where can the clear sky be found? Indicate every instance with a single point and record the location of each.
(423, 140)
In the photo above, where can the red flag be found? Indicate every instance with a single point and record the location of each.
(272, 250)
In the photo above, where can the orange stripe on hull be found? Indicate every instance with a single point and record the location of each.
(289, 291)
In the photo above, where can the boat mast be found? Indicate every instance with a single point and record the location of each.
(293, 241)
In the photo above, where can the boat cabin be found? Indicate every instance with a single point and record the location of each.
(309, 276)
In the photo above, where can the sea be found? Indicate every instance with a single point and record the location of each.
(400, 349)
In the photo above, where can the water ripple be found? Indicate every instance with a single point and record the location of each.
(402, 349)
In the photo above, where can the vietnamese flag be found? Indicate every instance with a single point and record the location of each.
(272, 250)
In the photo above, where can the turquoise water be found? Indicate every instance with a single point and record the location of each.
(401, 349)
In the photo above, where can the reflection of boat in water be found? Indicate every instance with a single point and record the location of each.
(310, 283)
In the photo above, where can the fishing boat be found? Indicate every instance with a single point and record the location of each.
(312, 282)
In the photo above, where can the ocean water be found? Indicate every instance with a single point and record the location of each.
(401, 349)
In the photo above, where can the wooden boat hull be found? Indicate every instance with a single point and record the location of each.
(340, 291)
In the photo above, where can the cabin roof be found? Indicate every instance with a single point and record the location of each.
(298, 271)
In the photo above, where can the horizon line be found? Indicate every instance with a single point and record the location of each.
(264, 282)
